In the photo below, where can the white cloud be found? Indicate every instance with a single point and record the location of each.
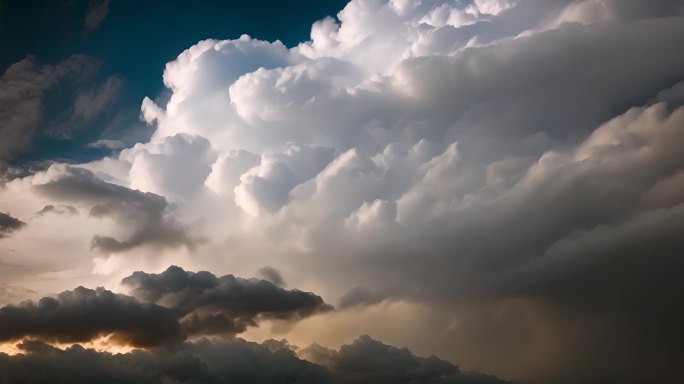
(451, 148)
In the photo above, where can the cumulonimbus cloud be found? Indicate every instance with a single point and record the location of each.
(490, 154)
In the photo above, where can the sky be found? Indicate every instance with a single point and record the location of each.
(373, 191)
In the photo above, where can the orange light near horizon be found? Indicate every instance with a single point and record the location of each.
(101, 344)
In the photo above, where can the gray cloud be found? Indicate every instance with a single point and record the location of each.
(107, 143)
(90, 103)
(205, 362)
(58, 209)
(359, 296)
(9, 224)
(84, 314)
(166, 308)
(273, 275)
(97, 12)
(222, 305)
(22, 89)
(370, 361)
(518, 167)
(146, 215)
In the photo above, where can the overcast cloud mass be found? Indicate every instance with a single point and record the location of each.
(499, 183)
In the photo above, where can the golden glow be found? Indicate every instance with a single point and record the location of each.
(101, 344)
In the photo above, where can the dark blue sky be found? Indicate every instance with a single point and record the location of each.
(133, 42)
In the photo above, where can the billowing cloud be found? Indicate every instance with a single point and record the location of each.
(369, 361)
(273, 275)
(222, 305)
(85, 314)
(205, 362)
(515, 164)
(165, 309)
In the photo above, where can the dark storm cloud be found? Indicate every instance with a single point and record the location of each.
(236, 361)
(146, 215)
(369, 361)
(167, 308)
(222, 305)
(9, 224)
(84, 314)
(592, 236)
(583, 227)
(627, 275)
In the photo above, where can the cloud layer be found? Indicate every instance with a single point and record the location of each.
(515, 164)
(208, 362)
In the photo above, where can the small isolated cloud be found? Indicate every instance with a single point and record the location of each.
(9, 224)
(108, 144)
(97, 12)
(359, 296)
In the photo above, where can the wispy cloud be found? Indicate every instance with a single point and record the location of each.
(97, 12)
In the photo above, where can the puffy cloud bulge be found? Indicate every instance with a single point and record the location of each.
(490, 157)
(165, 308)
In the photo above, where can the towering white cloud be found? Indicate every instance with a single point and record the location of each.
(460, 154)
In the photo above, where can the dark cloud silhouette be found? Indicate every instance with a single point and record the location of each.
(9, 224)
(222, 305)
(147, 216)
(369, 361)
(235, 361)
(85, 314)
(167, 308)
